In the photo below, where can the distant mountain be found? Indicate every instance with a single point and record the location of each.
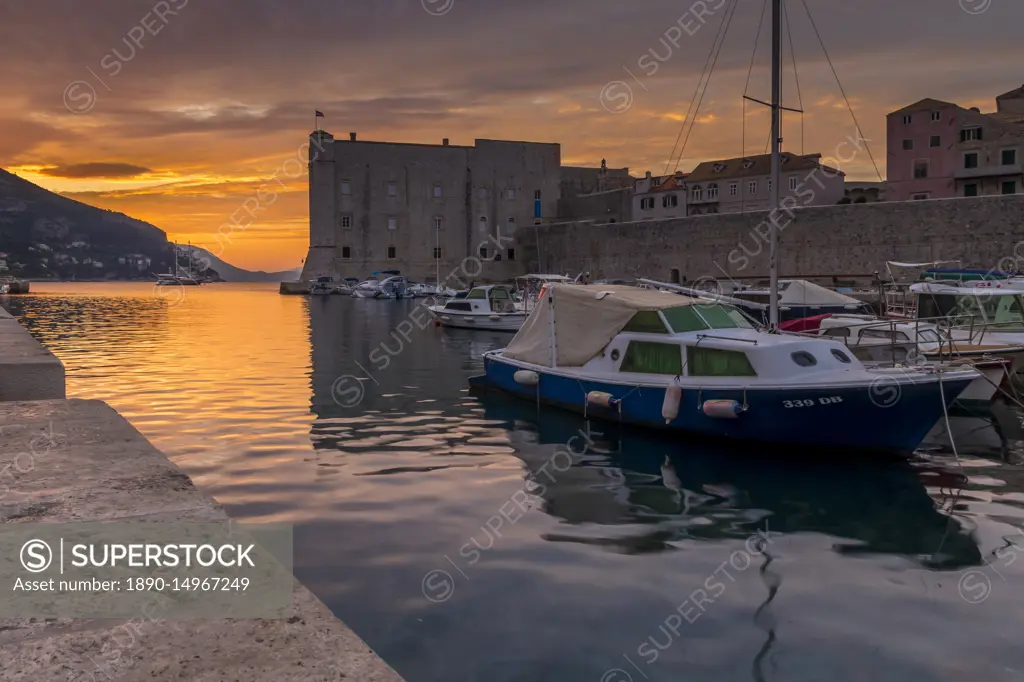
(46, 235)
(229, 273)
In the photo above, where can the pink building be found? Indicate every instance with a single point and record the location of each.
(939, 150)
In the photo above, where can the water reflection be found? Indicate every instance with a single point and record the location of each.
(677, 491)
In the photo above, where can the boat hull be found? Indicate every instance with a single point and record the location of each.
(883, 417)
(500, 322)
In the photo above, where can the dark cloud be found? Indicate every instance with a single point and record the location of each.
(80, 171)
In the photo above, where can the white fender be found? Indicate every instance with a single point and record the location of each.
(526, 377)
(602, 399)
(670, 406)
(722, 409)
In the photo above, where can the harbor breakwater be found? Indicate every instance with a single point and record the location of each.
(78, 461)
(981, 232)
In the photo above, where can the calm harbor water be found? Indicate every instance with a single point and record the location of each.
(451, 531)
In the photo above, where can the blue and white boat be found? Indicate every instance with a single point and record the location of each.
(662, 360)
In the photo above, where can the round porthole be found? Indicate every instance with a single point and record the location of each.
(804, 359)
(615, 355)
(840, 356)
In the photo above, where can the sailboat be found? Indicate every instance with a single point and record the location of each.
(662, 360)
(176, 279)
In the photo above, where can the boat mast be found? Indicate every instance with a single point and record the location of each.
(773, 248)
(437, 258)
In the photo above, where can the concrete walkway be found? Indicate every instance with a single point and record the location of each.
(28, 370)
(79, 460)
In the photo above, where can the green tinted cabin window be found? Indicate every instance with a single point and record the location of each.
(652, 358)
(684, 319)
(712, 362)
(723, 317)
(646, 321)
(499, 293)
(477, 293)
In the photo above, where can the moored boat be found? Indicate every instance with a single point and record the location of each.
(662, 360)
(488, 307)
(322, 286)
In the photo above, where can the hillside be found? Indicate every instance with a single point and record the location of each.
(229, 273)
(44, 235)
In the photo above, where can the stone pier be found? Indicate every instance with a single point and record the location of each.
(79, 460)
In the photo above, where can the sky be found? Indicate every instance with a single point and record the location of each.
(178, 111)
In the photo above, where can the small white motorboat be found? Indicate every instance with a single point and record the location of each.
(321, 286)
(488, 307)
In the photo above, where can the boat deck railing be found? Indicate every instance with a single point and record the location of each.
(944, 347)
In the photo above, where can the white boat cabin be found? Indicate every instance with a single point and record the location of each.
(484, 300)
(625, 334)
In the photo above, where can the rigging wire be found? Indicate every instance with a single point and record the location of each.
(860, 132)
(796, 74)
(716, 51)
(693, 98)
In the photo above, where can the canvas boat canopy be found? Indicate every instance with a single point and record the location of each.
(582, 319)
(800, 292)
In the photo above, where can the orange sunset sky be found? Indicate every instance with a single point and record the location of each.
(176, 112)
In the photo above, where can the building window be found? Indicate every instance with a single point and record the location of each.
(438, 193)
(971, 160)
(919, 197)
(482, 192)
(511, 224)
(971, 190)
(712, 191)
(935, 141)
(511, 194)
(483, 223)
(511, 254)
(1010, 187)
(346, 222)
(970, 134)
(392, 223)
(920, 170)
(392, 189)
(671, 200)
(392, 253)
(346, 253)
(907, 119)
(936, 116)
(752, 187)
(438, 222)
(793, 181)
(437, 253)
(734, 188)
(346, 188)
(483, 252)
(769, 185)
(647, 203)
(536, 195)
(908, 145)
(1009, 157)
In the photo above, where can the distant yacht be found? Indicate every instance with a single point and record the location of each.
(177, 279)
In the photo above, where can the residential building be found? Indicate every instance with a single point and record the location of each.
(419, 208)
(938, 149)
(744, 184)
(659, 197)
